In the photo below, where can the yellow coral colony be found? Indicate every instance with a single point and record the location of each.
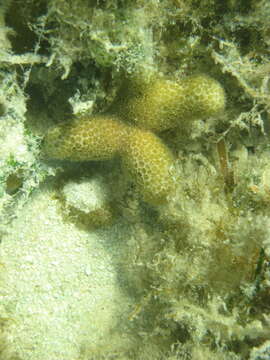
(155, 106)
(144, 156)
(204, 97)
(163, 104)
(83, 139)
(149, 162)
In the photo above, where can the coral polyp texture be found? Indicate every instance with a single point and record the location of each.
(154, 104)
(85, 138)
(150, 164)
(143, 154)
(162, 104)
(203, 97)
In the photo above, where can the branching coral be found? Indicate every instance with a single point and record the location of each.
(150, 164)
(94, 138)
(162, 104)
(101, 138)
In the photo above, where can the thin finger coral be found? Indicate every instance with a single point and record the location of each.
(84, 139)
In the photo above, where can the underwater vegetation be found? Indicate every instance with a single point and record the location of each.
(134, 180)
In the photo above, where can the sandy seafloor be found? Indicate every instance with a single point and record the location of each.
(60, 287)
